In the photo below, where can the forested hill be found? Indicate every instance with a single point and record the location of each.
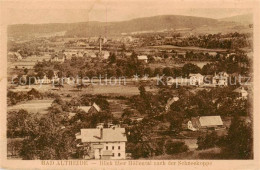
(93, 28)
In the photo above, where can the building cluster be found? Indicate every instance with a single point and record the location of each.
(219, 79)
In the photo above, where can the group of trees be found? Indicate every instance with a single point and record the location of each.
(204, 103)
(52, 135)
(222, 102)
(237, 144)
(147, 103)
(225, 41)
(26, 49)
(15, 97)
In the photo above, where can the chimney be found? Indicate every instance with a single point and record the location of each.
(101, 133)
(100, 44)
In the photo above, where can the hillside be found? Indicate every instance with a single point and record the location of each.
(243, 19)
(113, 28)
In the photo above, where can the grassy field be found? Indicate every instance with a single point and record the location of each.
(173, 64)
(196, 154)
(114, 90)
(32, 106)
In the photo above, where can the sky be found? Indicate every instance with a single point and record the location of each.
(37, 12)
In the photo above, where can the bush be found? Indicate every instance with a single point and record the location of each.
(138, 150)
(208, 141)
(175, 147)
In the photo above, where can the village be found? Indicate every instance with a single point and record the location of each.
(177, 96)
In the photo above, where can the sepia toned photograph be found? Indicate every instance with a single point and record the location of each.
(129, 81)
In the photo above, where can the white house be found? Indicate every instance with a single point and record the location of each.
(196, 79)
(44, 80)
(242, 93)
(103, 143)
(220, 79)
(142, 58)
(205, 122)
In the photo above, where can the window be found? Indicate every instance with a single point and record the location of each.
(113, 154)
(113, 147)
(118, 147)
(106, 147)
(119, 154)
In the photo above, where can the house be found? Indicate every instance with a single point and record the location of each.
(103, 143)
(196, 79)
(44, 80)
(104, 54)
(70, 54)
(213, 53)
(60, 57)
(15, 55)
(91, 109)
(71, 115)
(220, 79)
(142, 58)
(205, 122)
(242, 93)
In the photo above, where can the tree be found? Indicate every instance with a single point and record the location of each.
(239, 141)
(119, 72)
(142, 91)
(139, 139)
(148, 71)
(47, 140)
(208, 141)
(157, 72)
(175, 147)
(25, 71)
(35, 93)
(16, 123)
(175, 119)
(167, 71)
(40, 74)
(101, 102)
(127, 113)
(190, 68)
(112, 58)
(50, 74)
(150, 59)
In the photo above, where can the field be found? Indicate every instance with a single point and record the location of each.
(114, 90)
(170, 63)
(172, 47)
(33, 106)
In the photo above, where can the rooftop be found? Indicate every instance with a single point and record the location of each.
(85, 108)
(142, 57)
(206, 121)
(109, 135)
(210, 121)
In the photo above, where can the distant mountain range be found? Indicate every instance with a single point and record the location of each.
(93, 28)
